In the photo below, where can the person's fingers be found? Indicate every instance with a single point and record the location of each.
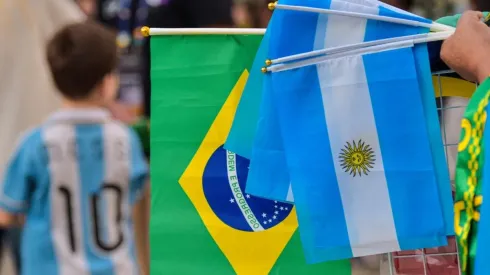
(445, 51)
(477, 16)
(469, 17)
(473, 14)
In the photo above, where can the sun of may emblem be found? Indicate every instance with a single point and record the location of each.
(357, 158)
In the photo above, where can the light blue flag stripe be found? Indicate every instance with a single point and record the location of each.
(435, 137)
(431, 117)
(306, 217)
(268, 162)
(405, 150)
(243, 130)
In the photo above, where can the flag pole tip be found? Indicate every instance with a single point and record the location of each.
(145, 31)
(263, 70)
(268, 62)
(272, 5)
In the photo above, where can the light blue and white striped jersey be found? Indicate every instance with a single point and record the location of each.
(76, 178)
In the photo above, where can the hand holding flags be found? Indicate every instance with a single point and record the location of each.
(368, 173)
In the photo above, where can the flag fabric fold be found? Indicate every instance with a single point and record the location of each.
(268, 162)
(241, 136)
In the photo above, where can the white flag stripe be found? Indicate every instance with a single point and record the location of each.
(345, 31)
(345, 94)
(368, 3)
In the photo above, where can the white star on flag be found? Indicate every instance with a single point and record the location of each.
(264, 215)
(232, 200)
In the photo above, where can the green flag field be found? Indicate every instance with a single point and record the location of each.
(202, 221)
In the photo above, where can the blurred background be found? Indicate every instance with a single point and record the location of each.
(127, 17)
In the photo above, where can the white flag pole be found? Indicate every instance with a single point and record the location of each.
(200, 31)
(360, 51)
(432, 26)
(356, 46)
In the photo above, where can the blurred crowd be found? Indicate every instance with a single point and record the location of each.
(126, 17)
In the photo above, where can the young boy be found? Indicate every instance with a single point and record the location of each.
(76, 178)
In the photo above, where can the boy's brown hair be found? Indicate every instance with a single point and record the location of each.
(80, 55)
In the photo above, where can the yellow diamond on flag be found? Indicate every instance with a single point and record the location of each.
(251, 232)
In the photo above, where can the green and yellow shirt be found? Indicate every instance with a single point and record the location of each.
(469, 168)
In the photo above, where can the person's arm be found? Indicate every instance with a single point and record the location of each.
(141, 217)
(120, 112)
(466, 51)
(18, 182)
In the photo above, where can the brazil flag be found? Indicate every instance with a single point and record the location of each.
(202, 221)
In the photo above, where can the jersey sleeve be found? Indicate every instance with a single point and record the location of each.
(19, 178)
(139, 168)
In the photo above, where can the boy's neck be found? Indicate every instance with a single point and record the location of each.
(82, 104)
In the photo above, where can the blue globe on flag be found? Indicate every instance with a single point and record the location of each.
(224, 179)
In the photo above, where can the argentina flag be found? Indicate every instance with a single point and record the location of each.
(242, 133)
(268, 177)
(360, 163)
